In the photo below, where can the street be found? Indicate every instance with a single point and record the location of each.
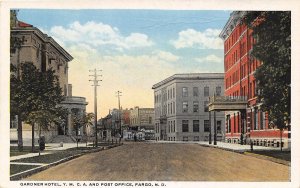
(165, 162)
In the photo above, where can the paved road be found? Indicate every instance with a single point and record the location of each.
(163, 162)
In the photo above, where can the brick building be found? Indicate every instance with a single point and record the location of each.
(249, 123)
(141, 118)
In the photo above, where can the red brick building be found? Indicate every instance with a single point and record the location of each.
(239, 67)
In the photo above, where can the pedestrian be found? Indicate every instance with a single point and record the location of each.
(134, 137)
(119, 135)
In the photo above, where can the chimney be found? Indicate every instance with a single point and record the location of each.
(69, 90)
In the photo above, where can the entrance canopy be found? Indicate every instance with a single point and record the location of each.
(227, 103)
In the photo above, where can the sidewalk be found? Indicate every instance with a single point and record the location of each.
(30, 163)
(223, 145)
(237, 147)
(50, 148)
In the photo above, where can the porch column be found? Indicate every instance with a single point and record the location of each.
(69, 122)
(243, 119)
(209, 127)
(215, 129)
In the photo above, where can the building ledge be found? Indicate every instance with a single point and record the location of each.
(227, 103)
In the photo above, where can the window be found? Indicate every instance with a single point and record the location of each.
(184, 92)
(173, 92)
(195, 92)
(174, 126)
(168, 94)
(184, 106)
(205, 106)
(185, 125)
(206, 91)
(195, 125)
(185, 138)
(219, 123)
(206, 126)
(196, 138)
(195, 106)
(174, 107)
(218, 91)
(150, 120)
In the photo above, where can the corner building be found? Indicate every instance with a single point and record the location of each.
(180, 107)
(45, 53)
(239, 69)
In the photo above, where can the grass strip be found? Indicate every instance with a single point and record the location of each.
(16, 168)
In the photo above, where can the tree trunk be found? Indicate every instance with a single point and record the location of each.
(39, 138)
(19, 130)
(281, 130)
(32, 139)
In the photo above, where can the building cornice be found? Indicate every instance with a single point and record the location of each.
(45, 38)
(234, 20)
(190, 76)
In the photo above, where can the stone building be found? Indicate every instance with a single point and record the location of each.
(142, 118)
(180, 107)
(45, 53)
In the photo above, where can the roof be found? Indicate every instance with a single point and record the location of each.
(233, 20)
(190, 76)
(23, 24)
(25, 27)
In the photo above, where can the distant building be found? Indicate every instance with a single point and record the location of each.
(141, 118)
(180, 105)
(45, 53)
(125, 117)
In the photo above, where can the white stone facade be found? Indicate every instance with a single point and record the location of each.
(179, 107)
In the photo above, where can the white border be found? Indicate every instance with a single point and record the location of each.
(289, 5)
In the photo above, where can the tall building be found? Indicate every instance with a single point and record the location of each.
(250, 122)
(180, 107)
(44, 52)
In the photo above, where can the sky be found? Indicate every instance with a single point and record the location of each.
(135, 49)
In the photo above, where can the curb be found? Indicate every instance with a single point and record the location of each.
(242, 151)
(264, 157)
(30, 172)
(246, 152)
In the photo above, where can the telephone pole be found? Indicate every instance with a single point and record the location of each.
(95, 84)
(119, 95)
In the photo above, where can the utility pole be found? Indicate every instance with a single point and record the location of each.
(118, 93)
(95, 84)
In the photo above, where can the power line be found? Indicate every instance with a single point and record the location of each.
(95, 84)
(118, 93)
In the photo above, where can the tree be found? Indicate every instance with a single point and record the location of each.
(15, 46)
(272, 46)
(35, 97)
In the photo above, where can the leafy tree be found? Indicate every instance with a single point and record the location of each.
(15, 46)
(35, 97)
(88, 119)
(272, 46)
